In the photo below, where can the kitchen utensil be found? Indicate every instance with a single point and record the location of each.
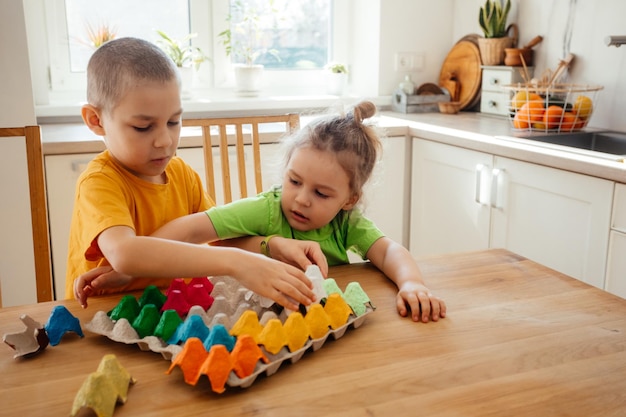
(461, 71)
(563, 64)
(513, 55)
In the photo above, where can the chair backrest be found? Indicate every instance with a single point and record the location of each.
(246, 131)
(38, 207)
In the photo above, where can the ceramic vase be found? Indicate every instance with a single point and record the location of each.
(248, 79)
(336, 83)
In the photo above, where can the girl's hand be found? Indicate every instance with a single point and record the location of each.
(283, 283)
(423, 305)
(299, 253)
(90, 282)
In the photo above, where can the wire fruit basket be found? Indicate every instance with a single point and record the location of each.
(552, 108)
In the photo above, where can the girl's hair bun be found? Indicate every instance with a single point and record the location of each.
(364, 110)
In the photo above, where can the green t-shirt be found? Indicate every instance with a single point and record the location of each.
(262, 216)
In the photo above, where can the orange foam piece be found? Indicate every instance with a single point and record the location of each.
(245, 356)
(273, 336)
(317, 321)
(190, 360)
(248, 324)
(338, 310)
(297, 331)
(217, 367)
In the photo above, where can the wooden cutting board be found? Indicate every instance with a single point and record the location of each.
(461, 72)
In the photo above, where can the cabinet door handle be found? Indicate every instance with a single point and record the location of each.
(478, 191)
(497, 177)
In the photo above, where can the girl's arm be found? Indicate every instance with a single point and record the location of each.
(193, 228)
(395, 261)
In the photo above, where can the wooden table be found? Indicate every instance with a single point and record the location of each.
(519, 340)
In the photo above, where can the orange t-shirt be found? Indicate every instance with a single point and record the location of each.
(108, 195)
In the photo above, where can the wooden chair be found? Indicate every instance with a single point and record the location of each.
(246, 131)
(38, 207)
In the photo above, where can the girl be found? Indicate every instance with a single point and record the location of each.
(327, 164)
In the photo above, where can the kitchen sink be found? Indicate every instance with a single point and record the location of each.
(613, 143)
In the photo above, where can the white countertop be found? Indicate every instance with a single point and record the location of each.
(477, 131)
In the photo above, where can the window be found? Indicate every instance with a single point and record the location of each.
(300, 32)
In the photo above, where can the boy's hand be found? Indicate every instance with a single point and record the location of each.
(299, 253)
(423, 305)
(283, 283)
(99, 278)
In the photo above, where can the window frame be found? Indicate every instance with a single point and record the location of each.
(207, 19)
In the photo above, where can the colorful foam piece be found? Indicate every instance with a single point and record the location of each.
(331, 287)
(190, 360)
(168, 323)
(338, 310)
(219, 336)
(128, 308)
(198, 296)
(152, 295)
(177, 284)
(297, 331)
(273, 336)
(28, 342)
(203, 281)
(317, 321)
(356, 298)
(103, 389)
(245, 356)
(193, 326)
(217, 367)
(147, 320)
(60, 322)
(248, 323)
(177, 300)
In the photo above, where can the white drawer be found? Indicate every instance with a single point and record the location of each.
(495, 103)
(496, 76)
(618, 221)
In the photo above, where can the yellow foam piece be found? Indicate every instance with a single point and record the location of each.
(338, 310)
(317, 321)
(248, 324)
(273, 336)
(103, 389)
(297, 331)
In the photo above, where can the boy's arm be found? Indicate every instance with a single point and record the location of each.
(193, 228)
(395, 261)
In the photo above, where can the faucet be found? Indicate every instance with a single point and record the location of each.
(615, 40)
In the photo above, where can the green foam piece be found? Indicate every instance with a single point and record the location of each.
(128, 308)
(331, 287)
(147, 320)
(356, 298)
(170, 320)
(152, 295)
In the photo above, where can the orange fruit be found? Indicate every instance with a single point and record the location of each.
(518, 123)
(531, 111)
(568, 122)
(552, 116)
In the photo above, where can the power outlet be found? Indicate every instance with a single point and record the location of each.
(408, 61)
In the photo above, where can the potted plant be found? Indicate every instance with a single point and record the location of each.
(336, 78)
(244, 42)
(492, 19)
(186, 57)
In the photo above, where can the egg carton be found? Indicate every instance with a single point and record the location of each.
(231, 303)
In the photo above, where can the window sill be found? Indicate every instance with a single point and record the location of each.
(215, 102)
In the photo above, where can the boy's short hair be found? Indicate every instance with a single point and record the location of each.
(118, 64)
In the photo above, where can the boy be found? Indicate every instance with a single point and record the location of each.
(138, 185)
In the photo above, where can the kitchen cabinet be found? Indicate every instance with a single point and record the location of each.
(616, 261)
(62, 171)
(385, 201)
(465, 200)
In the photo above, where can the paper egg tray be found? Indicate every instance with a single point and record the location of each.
(231, 300)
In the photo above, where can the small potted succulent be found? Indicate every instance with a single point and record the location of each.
(492, 19)
(186, 57)
(244, 42)
(336, 78)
